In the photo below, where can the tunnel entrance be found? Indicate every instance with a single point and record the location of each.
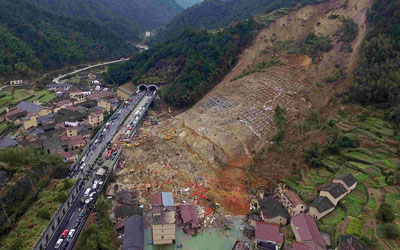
(152, 88)
(142, 87)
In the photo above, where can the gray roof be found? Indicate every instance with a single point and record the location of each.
(348, 179)
(335, 189)
(45, 119)
(56, 85)
(322, 204)
(133, 233)
(271, 208)
(37, 131)
(29, 107)
(349, 242)
(7, 142)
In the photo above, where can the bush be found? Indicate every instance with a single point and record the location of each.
(313, 156)
(44, 214)
(386, 213)
(61, 197)
(391, 230)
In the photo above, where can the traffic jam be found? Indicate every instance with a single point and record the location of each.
(92, 170)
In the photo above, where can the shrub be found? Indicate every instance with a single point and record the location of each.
(44, 214)
(391, 230)
(386, 213)
(61, 197)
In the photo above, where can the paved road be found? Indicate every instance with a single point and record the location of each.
(57, 79)
(73, 220)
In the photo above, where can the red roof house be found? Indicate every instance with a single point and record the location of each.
(306, 231)
(189, 217)
(268, 234)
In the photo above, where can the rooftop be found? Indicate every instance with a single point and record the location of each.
(188, 214)
(349, 242)
(271, 208)
(269, 232)
(308, 230)
(7, 142)
(16, 113)
(156, 199)
(167, 199)
(133, 233)
(29, 107)
(322, 204)
(293, 198)
(335, 189)
(348, 179)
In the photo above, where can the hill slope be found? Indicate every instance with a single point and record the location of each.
(187, 3)
(33, 39)
(212, 14)
(125, 17)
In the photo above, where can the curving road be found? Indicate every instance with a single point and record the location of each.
(57, 79)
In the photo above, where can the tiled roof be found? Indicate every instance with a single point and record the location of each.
(335, 189)
(16, 113)
(322, 204)
(300, 246)
(76, 141)
(348, 179)
(62, 102)
(29, 107)
(97, 112)
(269, 232)
(133, 233)
(188, 214)
(293, 198)
(349, 242)
(156, 199)
(7, 142)
(58, 85)
(271, 208)
(308, 230)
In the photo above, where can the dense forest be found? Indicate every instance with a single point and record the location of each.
(127, 18)
(33, 39)
(377, 78)
(212, 14)
(189, 65)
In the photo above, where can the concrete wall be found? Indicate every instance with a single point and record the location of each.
(57, 218)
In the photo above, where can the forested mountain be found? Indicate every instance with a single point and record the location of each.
(33, 39)
(190, 64)
(187, 3)
(377, 78)
(211, 14)
(126, 17)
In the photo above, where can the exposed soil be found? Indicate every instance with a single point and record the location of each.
(223, 143)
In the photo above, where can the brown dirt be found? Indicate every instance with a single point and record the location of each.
(218, 148)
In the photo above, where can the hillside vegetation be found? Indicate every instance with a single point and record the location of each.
(212, 14)
(126, 18)
(187, 3)
(189, 65)
(377, 78)
(25, 172)
(33, 40)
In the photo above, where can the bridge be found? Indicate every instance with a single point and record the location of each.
(73, 213)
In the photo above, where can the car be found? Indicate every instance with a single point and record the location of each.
(87, 191)
(83, 166)
(64, 234)
(91, 194)
(58, 244)
(88, 201)
(96, 141)
(76, 225)
(71, 233)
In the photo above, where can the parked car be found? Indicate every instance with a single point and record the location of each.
(71, 233)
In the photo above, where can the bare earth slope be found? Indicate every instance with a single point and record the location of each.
(215, 142)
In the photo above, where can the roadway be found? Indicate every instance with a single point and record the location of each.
(57, 79)
(86, 168)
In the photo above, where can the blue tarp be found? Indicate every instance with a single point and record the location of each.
(167, 199)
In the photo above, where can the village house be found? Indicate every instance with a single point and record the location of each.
(79, 99)
(189, 218)
(30, 107)
(133, 233)
(76, 142)
(347, 180)
(334, 192)
(96, 118)
(16, 82)
(100, 95)
(291, 201)
(54, 86)
(7, 142)
(15, 116)
(105, 104)
(306, 231)
(268, 236)
(75, 92)
(71, 131)
(29, 121)
(69, 157)
(62, 105)
(273, 212)
(163, 225)
(349, 242)
(320, 207)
